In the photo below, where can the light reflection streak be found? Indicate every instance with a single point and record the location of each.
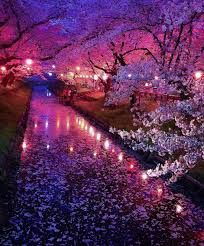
(46, 124)
(24, 145)
(98, 136)
(120, 157)
(58, 123)
(106, 144)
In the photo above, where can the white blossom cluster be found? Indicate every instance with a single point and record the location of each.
(175, 132)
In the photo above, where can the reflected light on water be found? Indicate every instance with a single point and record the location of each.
(144, 176)
(58, 123)
(82, 125)
(24, 145)
(106, 144)
(46, 124)
(120, 157)
(98, 137)
(91, 131)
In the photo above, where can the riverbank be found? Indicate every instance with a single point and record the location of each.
(69, 172)
(120, 118)
(13, 106)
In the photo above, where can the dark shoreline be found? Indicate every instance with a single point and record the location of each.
(185, 185)
(9, 163)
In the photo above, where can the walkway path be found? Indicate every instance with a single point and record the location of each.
(75, 187)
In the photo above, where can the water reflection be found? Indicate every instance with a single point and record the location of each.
(73, 165)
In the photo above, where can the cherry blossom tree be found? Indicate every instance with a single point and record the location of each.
(21, 38)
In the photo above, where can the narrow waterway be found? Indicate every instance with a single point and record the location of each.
(76, 187)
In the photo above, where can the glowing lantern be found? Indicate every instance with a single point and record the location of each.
(146, 84)
(48, 146)
(61, 74)
(71, 149)
(50, 74)
(53, 66)
(82, 125)
(129, 75)
(36, 125)
(29, 62)
(198, 74)
(156, 77)
(95, 153)
(78, 68)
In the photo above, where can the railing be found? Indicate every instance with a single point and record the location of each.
(156, 95)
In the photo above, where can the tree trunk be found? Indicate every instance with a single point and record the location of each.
(8, 79)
